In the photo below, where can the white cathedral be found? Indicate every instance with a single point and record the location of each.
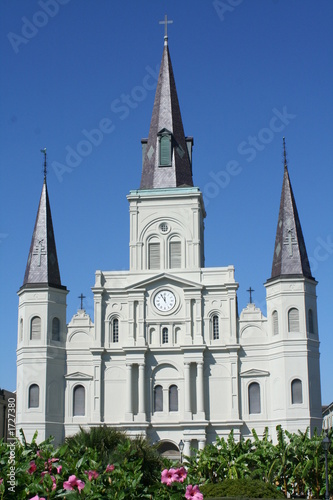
(168, 355)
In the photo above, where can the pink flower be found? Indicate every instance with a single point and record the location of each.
(182, 473)
(92, 474)
(1, 481)
(109, 468)
(54, 485)
(72, 482)
(169, 476)
(32, 467)
(59, 469)
(193, 492)
(39, 453)
(36, 497)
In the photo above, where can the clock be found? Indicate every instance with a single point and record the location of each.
(165, 300)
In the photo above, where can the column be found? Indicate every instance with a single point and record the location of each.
(200, 391)
(187, 388)
(129, 396)
(142, 410)
(187, 447)
(201, 444)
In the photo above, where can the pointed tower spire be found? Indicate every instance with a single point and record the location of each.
(42, 266)
(290, 257)
(166, 152)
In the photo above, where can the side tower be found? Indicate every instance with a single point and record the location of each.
(292, 323)
(41, 354)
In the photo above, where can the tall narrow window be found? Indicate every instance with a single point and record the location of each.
(175, 254)
(158, 398)
(115, 330)
(310, 321)
(296, 392)
(275, 319)
(55, 329)
(254, 398)
(154, 255)
(173, 398)
(21, 329)
(165, 336)
(36, 328)
(293, 320)
(79, 397)
(215, 326)
(33, 396)
(165, 150)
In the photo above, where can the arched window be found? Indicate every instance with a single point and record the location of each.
(115, 330)
(175, 255)
(293, 320)
(254, 398)
(310, 321)
(153, 255)
(33, 396)
(275, 320)
(215, 327)
(158, 398)
(165, 150)
(173, 398)
(56, 329)
(21, 329)
(296, 392)
(165, 336)
(36, 328)
(79, 397)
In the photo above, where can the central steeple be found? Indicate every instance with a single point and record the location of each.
(167, 153)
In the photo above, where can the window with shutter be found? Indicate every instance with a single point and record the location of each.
(154, 256)
(165, 336)
(79, 401)
(115, 330)
(293, 320)
(165, 150)
(296, 392)
(158, 398)
(275, 319)
(215, 324)
(175, 254)
(33, 396)
(55, 329)
(36, 328)
(254, 398)
(173, 398)
(310, 321)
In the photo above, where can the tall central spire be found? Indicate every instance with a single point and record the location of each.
(166, 152)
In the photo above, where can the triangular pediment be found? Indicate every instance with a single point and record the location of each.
(171, 279)
(254, 373)
(78, 376)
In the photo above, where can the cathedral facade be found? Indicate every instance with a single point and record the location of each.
(167, 354)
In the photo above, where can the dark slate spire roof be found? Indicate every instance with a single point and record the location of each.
(290, 257)
(42, 266)
(166, 116)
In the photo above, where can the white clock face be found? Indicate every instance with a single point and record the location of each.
(164, 300)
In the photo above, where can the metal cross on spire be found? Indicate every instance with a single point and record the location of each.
(81, 297)
(250, 290)
(284, 153)
(165, 22)
(45, 165)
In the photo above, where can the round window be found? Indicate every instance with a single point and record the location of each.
(164, 228)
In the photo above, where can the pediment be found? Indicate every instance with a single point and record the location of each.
(78, 376)
(165, 277)
(254, 373)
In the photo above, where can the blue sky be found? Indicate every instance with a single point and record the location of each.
(71, 67)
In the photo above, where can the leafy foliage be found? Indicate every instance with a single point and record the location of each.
(241, 488)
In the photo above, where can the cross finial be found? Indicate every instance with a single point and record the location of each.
(284, 153)
(250, 290)
(45, 169)
(81, 297)
(165, 22)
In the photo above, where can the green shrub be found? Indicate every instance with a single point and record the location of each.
(241, 488)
